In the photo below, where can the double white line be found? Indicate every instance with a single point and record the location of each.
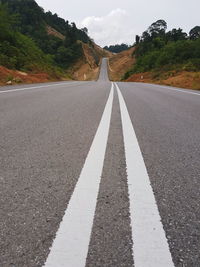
(71, 244)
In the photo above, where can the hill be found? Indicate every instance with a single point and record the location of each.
(171, 58)
(117, 48)
(120, 63)
(36, 42)
(87, 68)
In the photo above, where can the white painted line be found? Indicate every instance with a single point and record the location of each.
(182, 91)
(186, 91)
(150, 246)
(36, 87)
(70, 246)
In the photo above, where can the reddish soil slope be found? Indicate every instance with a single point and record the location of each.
(120, 63)
(8, 76)
(184, 79)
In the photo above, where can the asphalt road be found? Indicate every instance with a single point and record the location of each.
(65, 175)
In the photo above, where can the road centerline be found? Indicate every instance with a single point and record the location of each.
(150, 246)
(70, 246)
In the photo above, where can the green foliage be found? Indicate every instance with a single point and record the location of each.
(157, 28)
(65, 56)
(18, 51)
(174, 53)
(117, 48)
(25, 43)
(195, 33)
(127, 75)
(175, 35)
(158, 50)
(6, 23)
(33, 21)
(155, 37)
(137, 39)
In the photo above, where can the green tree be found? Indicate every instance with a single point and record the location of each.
(176, 35)
(117, 48)
(137, 39)
(195, 33)
(158, 28)
(33, 22)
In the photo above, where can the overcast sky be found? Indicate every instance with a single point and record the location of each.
(116, 21)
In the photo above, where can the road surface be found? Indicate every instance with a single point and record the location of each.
(99, 174)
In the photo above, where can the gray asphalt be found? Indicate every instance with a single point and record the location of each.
(45, 136)
(111, 242)
(167, 125)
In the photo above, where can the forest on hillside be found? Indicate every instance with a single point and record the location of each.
(117, 48)
(159, 49)
(25, 43)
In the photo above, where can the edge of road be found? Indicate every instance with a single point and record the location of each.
(10, 90)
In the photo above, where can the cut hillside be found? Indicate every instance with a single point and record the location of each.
(11, 77)
(120, 63)
(33, 41)
(167, 57)
(43, 46)
(181, 79)
(87, 68)
(53, 32)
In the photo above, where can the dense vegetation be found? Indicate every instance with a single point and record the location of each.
(117, 48)
(158, 49)
(17, 51)
(25, 43)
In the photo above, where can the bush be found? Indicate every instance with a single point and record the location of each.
(186, 53)
(25, 44)
(158, 50)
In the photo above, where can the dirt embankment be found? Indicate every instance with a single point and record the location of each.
(182, 79)
(120, 63)
(9, 77)
(52, 31)
(87, 68)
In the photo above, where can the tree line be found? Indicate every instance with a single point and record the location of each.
(158, 48)
(117, 48)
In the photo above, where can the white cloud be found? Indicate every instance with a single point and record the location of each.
(111, 29)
